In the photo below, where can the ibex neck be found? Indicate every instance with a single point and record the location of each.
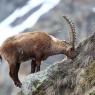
(59, 47)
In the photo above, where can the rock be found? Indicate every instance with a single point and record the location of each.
(69, 77)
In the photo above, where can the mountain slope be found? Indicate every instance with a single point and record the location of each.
(68, 77)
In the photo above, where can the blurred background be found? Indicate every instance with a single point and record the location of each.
(42, 15)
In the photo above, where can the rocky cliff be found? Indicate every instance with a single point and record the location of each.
(69, 77)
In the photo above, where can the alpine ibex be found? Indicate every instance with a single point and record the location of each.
(36, 46)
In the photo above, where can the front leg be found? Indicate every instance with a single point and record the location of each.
(33, 65)
(38, 63)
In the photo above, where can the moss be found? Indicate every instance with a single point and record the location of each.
(92, 93)
(39, 91)
(40, 87)
(36, 84)
(89, 76)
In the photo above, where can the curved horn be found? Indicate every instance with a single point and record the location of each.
(72, 32)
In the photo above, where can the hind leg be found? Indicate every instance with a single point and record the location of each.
(14, 68)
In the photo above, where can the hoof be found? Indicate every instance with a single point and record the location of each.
(18, 84)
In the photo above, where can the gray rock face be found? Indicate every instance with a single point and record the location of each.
(69, 77)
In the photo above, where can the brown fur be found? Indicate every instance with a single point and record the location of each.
(32, 45)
